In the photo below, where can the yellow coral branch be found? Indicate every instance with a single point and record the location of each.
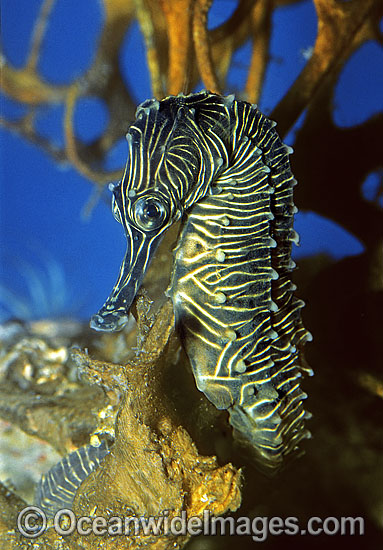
(145, 20)
(202, 46)
(178, 19)
(261, 25)
(71, 146)
(38, 34)
(342, 27)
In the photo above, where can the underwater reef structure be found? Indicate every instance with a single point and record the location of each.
(137, 437)
(152, 467)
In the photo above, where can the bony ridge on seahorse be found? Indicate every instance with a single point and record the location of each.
(220, 165)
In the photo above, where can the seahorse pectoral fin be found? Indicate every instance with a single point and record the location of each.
(114, 314)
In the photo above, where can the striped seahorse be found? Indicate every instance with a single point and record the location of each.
(57, 488)
(219, 164)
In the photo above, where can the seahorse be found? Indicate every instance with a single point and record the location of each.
(219, 165)
(58, 487)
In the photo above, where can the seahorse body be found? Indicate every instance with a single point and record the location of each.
(57, 489)
(221, 165)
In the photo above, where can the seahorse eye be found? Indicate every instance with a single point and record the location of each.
(150, 213)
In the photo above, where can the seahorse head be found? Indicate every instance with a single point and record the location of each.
(170, 166)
